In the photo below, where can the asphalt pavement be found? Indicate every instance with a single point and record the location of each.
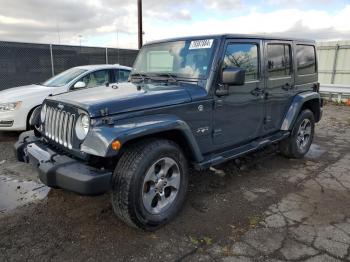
(262, 207)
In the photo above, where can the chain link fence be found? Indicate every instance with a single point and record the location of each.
(24, 63)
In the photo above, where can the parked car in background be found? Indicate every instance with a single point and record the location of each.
(17, 104)
(194, 101)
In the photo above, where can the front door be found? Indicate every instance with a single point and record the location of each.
(239, 116)
(279, 83)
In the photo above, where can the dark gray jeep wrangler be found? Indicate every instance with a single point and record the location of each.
(196, 101)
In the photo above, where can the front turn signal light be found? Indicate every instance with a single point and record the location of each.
(116, 145)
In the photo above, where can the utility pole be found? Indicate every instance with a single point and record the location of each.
(140, 30)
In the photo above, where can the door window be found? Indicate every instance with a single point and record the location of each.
(97, 78)
(243, 55)
(279, 62)
(123, 75)
(306, 59)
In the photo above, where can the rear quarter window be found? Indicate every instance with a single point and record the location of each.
(306, 59)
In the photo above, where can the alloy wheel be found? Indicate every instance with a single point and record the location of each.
(161, 185)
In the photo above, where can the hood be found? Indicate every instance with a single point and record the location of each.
(25, 92)
(127, 97)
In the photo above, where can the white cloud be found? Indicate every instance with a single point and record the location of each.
(99, 20)
(299, 23)
(221, 4)
(298, 2)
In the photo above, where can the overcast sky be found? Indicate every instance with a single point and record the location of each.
(114, 22)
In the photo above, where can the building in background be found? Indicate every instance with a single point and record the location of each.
(334, 62)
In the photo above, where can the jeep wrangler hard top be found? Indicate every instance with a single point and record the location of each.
(195, 101)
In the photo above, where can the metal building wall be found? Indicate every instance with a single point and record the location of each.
(334, 62)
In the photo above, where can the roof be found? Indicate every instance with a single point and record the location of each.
(104, 66)
(238, 36)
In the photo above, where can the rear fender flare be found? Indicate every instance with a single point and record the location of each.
(295, 107)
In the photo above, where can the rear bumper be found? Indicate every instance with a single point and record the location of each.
(61, 171)
(321, 109)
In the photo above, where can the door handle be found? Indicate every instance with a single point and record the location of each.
(257, 91)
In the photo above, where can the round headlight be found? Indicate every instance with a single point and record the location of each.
(43, 113)
(82, 127)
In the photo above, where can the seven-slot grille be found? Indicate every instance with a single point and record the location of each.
(59, 126)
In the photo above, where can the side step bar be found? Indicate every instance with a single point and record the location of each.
(218, 158)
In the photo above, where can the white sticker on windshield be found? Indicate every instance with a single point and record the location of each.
(200, 44)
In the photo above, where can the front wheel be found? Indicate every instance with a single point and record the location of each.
(150, 183)
(301, 137)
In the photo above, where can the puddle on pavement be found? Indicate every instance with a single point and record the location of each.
(15, 193)
(315, 152)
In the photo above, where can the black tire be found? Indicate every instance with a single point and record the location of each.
(28, 127)
(128, 183)
(291, 147)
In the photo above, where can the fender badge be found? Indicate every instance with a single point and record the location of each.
(202, 130)
(200, 108)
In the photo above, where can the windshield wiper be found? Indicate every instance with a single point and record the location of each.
(140, 75)
(171, 76)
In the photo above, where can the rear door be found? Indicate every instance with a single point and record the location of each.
(279, 83)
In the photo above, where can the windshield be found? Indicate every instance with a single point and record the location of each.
(64, 77)
(187, 59)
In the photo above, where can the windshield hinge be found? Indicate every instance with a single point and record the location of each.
(104, 112)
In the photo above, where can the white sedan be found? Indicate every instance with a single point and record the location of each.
(18, 103)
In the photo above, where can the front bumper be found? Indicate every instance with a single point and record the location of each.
(13, 121)
(61, 171)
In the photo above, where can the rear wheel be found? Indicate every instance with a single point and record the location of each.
(150, 183)
(301, 137)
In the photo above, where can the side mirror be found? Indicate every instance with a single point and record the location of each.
(233, 76)
(79, 84)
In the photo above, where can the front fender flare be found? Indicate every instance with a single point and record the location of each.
(295, 107)
(99, 140)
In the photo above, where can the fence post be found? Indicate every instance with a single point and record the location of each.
(52, 66)
(106, 55)
(335, 63)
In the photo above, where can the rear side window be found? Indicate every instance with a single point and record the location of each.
(279, 62)
(243, 55)
(306, 59)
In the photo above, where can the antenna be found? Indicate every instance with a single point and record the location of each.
(80, 37)
(58, 31)
(117, 46)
